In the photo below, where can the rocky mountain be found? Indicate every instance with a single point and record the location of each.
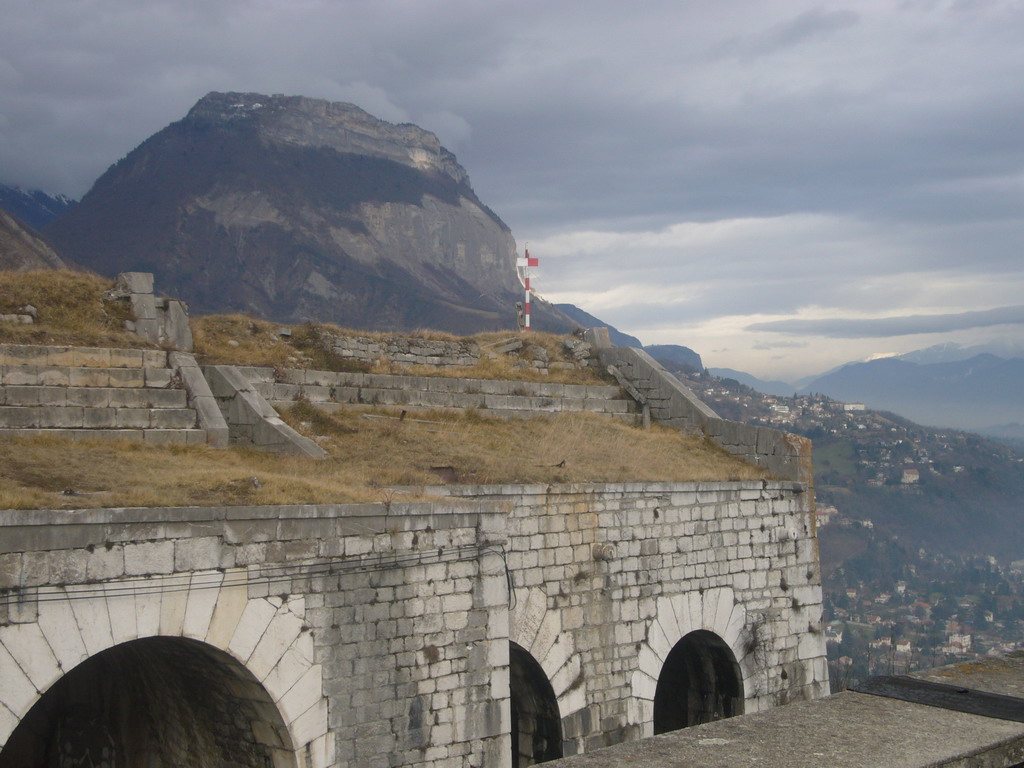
(975, 393)
(298, 209)
(21, 249)
(35, 208)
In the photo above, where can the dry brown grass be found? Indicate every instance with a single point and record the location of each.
(559, 448)
(71, 310)
(366, 456)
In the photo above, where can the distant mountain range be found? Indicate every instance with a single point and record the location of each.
(34, 208)
(977, 393)
(768, 387)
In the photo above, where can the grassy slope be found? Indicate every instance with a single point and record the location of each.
(367, 454)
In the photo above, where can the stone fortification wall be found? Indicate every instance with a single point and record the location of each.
(783, 454)
(377, 632)
(609, 578)
(383, 634)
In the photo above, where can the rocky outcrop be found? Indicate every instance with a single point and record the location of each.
(21, 249)
(297, 209)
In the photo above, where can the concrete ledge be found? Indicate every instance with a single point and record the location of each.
(847, 730)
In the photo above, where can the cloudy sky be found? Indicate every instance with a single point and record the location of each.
(781, 185)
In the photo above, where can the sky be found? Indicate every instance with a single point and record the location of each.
(781, 185)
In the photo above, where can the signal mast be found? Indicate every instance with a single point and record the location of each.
(524, 263)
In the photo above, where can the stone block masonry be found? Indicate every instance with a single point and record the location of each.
(403, 350)
(393, 634)
(368, 631)
(608, 579)
(143, 395)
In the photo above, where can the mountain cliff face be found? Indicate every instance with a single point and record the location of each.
(21, 249)
(297, 209)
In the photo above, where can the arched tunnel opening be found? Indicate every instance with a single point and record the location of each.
(536, 725)
(160, 702)
(699, 682)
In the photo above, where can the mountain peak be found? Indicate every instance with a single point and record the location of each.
(300, 121)
(297, 209)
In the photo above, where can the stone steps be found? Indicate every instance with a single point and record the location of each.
(630, 418)
(85, 417)
(79, 392)
(150, 436)
(85, 376)
(497, 397)
(92, 397)
(81, 357)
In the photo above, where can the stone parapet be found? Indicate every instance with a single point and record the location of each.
(404, 350)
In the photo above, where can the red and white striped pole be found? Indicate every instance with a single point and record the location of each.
(525, 263)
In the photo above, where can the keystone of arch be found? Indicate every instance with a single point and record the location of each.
(714, 610)
(265, 634)
(539, 631)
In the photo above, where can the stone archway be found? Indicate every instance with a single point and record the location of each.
(710, 612)
(536, 724)
(266, 637)
(538, 631)
(699, 682)
(159, 702)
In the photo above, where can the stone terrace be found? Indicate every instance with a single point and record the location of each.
(327, 389)
(81, 392)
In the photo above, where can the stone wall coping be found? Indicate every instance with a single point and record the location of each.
(10, 518)
(397, 509)
(541, 489)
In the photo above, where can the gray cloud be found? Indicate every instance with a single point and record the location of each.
(846, 328)
(882, 140)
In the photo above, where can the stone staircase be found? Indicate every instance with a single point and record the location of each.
(501, 398)
(78, 392)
